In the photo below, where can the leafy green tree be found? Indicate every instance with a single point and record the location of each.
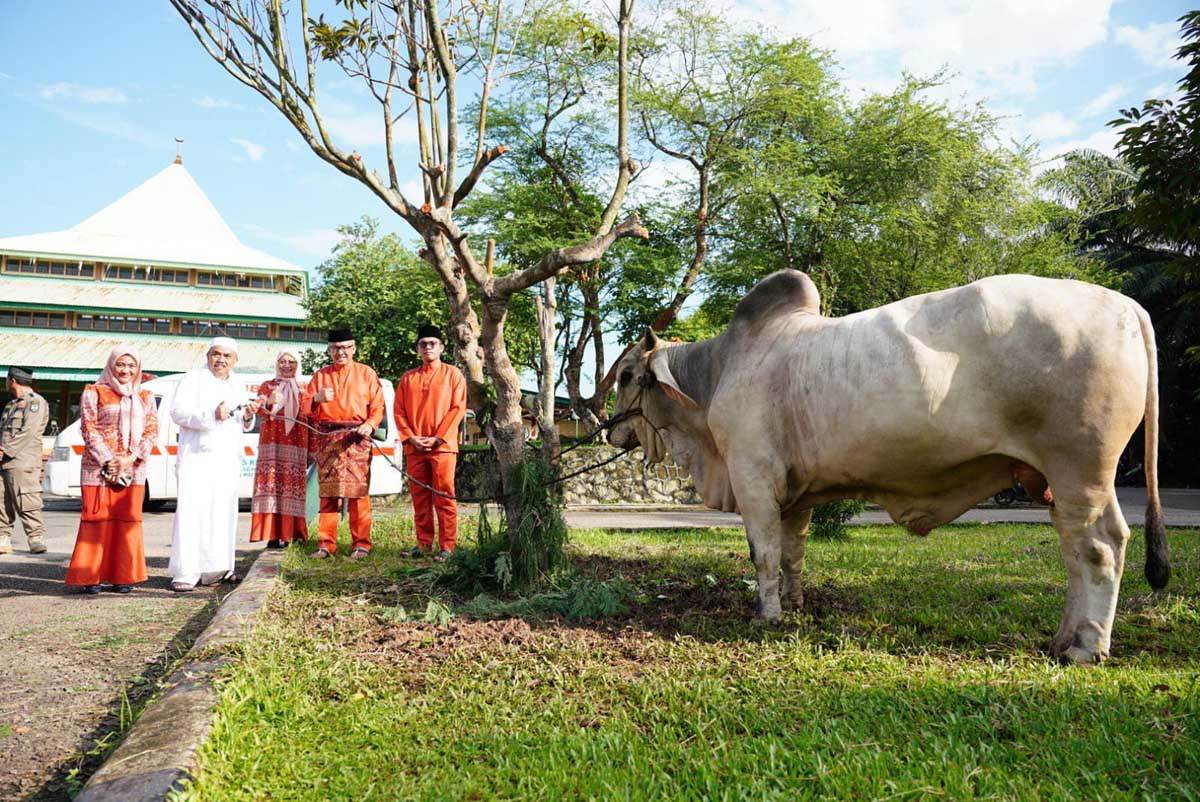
(548, 191)
(1161, 141)
(433, 66)
(382, 290)
(1097, 194)
(896, 195)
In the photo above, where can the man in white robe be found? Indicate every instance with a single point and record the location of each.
(208, 469)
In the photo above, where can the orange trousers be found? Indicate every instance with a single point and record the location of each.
(109, 545)
(435, 470)
(277, 526)
(360, 523)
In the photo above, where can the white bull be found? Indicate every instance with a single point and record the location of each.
(924, 407)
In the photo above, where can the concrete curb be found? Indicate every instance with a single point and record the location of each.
(159, 751)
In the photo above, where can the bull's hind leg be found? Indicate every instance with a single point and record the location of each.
(1092, 536)
(795, 537)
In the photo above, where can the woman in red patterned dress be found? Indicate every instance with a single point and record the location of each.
(277, 511)
(119, 422)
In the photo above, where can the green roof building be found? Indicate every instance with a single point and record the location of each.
(158, 268)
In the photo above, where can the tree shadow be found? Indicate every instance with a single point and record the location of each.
(979, 605)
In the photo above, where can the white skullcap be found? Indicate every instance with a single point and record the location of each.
(222, 342)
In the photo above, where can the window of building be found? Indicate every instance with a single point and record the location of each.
(235, 280)
(300, 334)
(222, 328)
(49, 267)
(130, 323)
(164, 275)
(30, 318)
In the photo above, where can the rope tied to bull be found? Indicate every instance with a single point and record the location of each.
(611, 422)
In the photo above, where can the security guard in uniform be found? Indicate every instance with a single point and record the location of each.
(21, 428)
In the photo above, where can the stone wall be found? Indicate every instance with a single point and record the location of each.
(624, 481)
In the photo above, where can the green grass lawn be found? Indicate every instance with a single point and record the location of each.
(915, 670)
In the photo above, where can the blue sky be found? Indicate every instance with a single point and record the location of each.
(93, 95)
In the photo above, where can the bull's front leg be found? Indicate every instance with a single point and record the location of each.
(764, 531)
(795, 538)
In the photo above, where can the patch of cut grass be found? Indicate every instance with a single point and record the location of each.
(915, 669)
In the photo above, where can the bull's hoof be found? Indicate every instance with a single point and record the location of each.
(768, 614)
(796, 603)
(1079, 650)
(1075, 656)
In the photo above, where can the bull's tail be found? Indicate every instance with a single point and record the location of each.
(1158, 569)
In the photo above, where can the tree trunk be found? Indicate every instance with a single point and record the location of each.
(547, 308)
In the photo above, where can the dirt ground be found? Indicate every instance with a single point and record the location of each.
(76, 669)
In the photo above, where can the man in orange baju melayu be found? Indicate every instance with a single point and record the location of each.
(431, 401)
(344, 402)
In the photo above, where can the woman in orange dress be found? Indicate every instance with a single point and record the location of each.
(119, 421)
(277, 511)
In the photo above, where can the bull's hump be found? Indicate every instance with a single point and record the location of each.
(784, 292)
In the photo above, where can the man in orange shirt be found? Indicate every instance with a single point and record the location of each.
(431, 402)
(345, 403)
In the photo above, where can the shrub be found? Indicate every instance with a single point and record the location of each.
(515, 559)
(829, 520)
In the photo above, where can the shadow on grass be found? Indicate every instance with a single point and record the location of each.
(897, 595)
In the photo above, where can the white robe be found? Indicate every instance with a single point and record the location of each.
(208, 469)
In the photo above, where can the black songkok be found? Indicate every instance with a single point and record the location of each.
(429, 330)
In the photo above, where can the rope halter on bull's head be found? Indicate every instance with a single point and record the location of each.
(655, 375)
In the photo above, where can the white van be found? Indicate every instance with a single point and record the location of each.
(61, 477)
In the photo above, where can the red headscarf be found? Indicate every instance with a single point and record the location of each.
(133, 413)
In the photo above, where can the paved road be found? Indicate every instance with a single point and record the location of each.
(1180, 507)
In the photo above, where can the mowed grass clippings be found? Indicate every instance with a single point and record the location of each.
(915, 670)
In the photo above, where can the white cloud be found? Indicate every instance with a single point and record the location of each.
(208, 102)
(1155, 44)
(1054, 125)
(413, 191)
(254, 151)
(359, 131)
(85, 94)
(1105, 102)
(991, 44)
(317, 242)
(1104, 140)
(664, 176)
(353, 128)
(6, 76)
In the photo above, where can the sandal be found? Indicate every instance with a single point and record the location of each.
(182, 587)
(231, 578)
(359, 553)
(321, 554)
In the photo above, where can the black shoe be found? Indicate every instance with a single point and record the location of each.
(122, 588)
(275, 544)
(91, 590)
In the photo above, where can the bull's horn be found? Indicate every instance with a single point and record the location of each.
(649, 340)
(661, 369)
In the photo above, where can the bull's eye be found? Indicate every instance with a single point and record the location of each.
(626, 376)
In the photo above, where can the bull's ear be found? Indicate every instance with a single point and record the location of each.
(662, 371)
(650, 340)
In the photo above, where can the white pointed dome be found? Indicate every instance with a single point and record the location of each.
(168, 220)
